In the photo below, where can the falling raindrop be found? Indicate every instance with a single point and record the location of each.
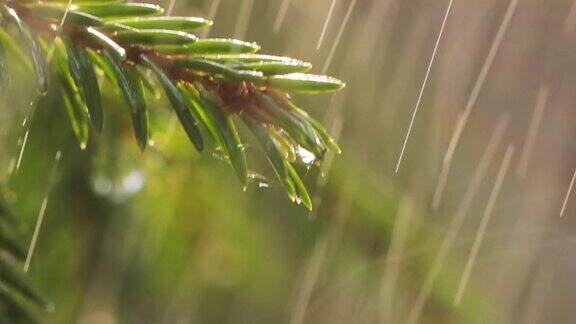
(170, 7)
(457, 222)
(338, 37)
(423, 87)
(28, 119)
(23, 140)
(316, 263)
(22, 148)
(395, 251)
(44, 205)
(326, 23)
(281, 15)
(465, 115)
(52, 48)
(570, 21)
(484, 224)
(211, 15)
(535, 121)
(568, 193)
(244, 13)
(11, 165)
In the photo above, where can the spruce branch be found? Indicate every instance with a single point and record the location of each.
(206, 81)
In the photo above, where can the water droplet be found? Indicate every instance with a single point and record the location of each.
(298, 200)
(306, 156)
(220, 155)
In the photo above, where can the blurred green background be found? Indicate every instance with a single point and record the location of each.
(170, 236)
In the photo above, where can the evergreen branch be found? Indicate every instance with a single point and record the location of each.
(206, 81)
